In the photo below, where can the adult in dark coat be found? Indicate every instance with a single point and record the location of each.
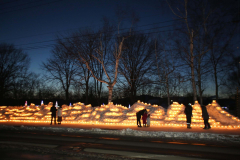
(205, 117)
(53, 110)
(188, 112)
(139, 114)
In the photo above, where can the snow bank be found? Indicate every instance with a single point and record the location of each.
(221, 116)
(111, 114)
(130, 132)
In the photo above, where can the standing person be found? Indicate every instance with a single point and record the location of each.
(144, 118)
(59, 113)
(148, 120)
(139, 114)
(188, 112)
(205, 117)
(53, 110)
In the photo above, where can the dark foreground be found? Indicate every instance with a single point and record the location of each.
(19, 145)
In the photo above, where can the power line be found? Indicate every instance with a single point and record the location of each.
(21, 4)
(8, 2)
(83, 27)
(50, 45)
(73, 28)
(92, 34)
(115, 34)
(31, 7)
(88, 27)
(62, 30)
(122, 29)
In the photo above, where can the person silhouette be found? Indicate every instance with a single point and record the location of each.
(139, 114)
(188, 112)
(53, 110)
(144, 118)
(59, 114)
(205, 117)
(148, 120)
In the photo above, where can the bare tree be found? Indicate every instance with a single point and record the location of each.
(91, 51)
(218, 31)
(26, 87)
(82, 45)
(111, 74)
(14, 63)
(233, 77)
(187, 52)
(166, 65)
(77, 91)
(61, 68)
(202, 66)
(109, 46)
(45, 90)
(201, 20)
(137, 62)
(96, 57)
(219, 62)
(220, 51)
(106, 32)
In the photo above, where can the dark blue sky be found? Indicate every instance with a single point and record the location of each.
(33, 24)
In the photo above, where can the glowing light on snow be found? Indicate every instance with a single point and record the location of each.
(118, 115)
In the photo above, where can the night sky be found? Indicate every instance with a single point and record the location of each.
(33, 24)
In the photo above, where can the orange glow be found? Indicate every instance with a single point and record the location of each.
(113, 115)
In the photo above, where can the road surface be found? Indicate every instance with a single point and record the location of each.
(42, 145)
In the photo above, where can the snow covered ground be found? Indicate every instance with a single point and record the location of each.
(117, 120)
(119, 115)
(130, 132)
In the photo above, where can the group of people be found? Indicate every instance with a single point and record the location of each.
(205, 116)
(188, 111)
(56, 112)
(145, 117)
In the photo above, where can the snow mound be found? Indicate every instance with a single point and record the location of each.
(111, 114)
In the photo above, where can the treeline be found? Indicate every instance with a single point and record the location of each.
(119, 60)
